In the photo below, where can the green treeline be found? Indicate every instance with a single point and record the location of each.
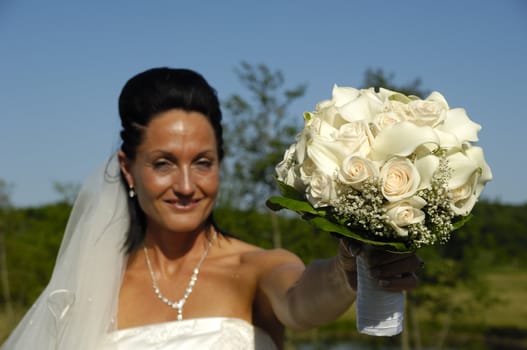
(496, 236)
(494, 239)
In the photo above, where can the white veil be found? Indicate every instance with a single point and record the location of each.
(79, 305)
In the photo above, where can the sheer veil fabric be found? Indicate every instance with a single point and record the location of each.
(78, 306)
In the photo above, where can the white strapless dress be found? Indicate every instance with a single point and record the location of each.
(209, 333)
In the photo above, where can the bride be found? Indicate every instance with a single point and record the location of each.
(144, 266)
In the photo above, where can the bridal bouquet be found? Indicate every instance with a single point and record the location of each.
(384, 168)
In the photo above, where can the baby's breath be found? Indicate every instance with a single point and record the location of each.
(438, 222)
(363, 210)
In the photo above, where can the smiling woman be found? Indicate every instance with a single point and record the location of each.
(176, 172)
(144, 266)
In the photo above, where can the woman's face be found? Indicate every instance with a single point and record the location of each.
(176, 171)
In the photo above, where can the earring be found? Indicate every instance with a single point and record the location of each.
(131, 192)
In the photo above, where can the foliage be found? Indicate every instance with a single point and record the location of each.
(257, 129)
(5, 191)
(67, 191)
(33, 237)
(377, 78)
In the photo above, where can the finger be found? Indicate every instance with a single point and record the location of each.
(405, 282)
(408, 264)
(352, 247)
(347, 260)
(376, 257)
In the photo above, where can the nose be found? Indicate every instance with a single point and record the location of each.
(183, 183)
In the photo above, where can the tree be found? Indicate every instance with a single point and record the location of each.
(377, 78)
(5, 209)
(258, 132)
(67, 190)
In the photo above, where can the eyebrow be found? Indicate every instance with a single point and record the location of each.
(169, 155)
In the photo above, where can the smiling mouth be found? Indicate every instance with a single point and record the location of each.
(183, 204)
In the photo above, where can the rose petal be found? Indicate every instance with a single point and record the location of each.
(388, 141)
(437, 97)
(327, 155)
(476, 154)
(426, 166)
(462, 169)
(458, 124)
(343, 95)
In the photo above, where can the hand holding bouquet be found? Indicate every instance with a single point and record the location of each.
(386, 169)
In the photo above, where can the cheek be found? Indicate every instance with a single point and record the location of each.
(151, 186)
(211, 184)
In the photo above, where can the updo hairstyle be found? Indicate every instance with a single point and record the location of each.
(144, 97)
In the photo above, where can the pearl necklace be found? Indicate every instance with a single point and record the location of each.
(181, 302)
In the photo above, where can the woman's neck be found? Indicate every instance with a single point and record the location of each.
(170, 251)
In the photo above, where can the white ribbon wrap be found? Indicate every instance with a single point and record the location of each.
(379, 312)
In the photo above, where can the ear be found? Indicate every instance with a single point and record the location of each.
(125, 165)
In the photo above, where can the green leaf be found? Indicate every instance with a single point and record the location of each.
(318, 218)
(399, 97)
(326, 225)
(277, 203)
(289, 191)
(460, 221)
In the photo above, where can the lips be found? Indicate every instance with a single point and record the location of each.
(183, 204)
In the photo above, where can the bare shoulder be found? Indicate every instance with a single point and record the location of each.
(267, 257)
(260, 259)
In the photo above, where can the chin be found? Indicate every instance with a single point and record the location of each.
(184, 226)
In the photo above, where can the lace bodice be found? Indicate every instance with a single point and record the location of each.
(214, 333)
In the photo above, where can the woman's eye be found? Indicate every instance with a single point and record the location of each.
(204, 163)
(161, 164)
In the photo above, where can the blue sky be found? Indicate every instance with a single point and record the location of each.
(63, 63)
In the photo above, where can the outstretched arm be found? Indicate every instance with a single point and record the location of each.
(306, 297)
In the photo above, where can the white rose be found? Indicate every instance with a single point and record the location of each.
(287, 163)
(328, 113)
(314, 128)
(328, 110)
(321, 189)
(475, 154)
(356, 137)
(355, 170)
(306, 170)
(400, 179)
(384, 120)
(470, 173)
(431, 111)
(362, 107)
(458, 124)
(427, 166)
(287, 171)
(386, 94)
(326, 154)
(313, 123)
(397, 107)
(402, 139)
(341, 95)
(404, 213)
(463, 198)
